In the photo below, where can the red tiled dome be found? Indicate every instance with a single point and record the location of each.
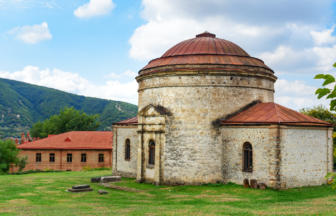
(205, 49)
(206, 43)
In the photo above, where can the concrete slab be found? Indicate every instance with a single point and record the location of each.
(80, 186)
(80, 190)
(110, 179)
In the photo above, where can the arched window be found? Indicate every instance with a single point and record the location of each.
(128, 149)
(151, 152)
(248, 162)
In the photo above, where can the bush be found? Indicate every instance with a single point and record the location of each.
(86, 168)
(101, 168)
(34, 171)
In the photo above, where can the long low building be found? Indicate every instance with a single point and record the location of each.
(69, 151)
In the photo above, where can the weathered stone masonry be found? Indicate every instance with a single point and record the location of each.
(186, 98)
(121, 166)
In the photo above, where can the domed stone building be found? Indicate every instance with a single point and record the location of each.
(207, 115)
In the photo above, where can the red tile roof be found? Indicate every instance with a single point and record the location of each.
(73, 140)
(272, 113)
(206, 49)
(133, 120)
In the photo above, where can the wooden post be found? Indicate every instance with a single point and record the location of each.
(254, 184)
(246, 183)
(262, 186)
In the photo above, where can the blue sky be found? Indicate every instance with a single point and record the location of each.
(96, 47)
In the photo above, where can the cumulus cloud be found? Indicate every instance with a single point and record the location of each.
(74, 83)
(95, 8)
(283, 33)
(296, 94)
(127, 73)
(324, 37)
(31, 34)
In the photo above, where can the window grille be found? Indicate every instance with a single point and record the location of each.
(248, 158)
(69, 158)
(152, 152)
(38, 157)
(52, 157)
(128, 150)
(83, 158)
(101, 158)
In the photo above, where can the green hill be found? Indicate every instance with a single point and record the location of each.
(23, 104)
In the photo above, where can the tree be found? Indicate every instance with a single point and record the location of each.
(321, 112)
(69, 119)
(331, 94)
(9, 156)
(22, 163)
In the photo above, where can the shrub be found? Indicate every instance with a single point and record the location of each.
(87, 168)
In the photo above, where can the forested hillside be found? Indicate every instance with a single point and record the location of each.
(23, 104)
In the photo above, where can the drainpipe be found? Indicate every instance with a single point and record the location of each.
(61, 160)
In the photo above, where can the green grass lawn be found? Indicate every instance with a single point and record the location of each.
(45, 194)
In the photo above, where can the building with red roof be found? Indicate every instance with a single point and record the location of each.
(69, 151)
(207, 115)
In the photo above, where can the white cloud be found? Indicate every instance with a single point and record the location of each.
(95, 8)
(281, 37)
(74, 83)
(112, 76)
(324, 37)
(128, 73)
(297, 95)
(327, 57)
(31, 34)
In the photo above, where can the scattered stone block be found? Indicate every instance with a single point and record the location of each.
(246, 183)
(102, 192)
(80, 190)
(254, 184)
(81, 187)
(95, 179)
(262, 186)
(110, 179)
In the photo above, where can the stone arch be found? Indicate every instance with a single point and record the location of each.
(247, 149)
(151, 152)
(127, 149)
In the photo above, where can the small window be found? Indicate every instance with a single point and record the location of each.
(152, 152)
(83, 158)
(38, 157)
(101, 158)
(128, 150)
(52, 157)
(248, 162)
(69, 158)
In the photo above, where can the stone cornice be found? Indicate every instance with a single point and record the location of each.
(228, 72)
(205, 85)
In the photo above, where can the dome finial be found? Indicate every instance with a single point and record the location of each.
(206, 34)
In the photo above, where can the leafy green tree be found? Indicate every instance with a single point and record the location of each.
(320, 112)
(331, 94)
(69, 119)
(9, 156)
(22, 163)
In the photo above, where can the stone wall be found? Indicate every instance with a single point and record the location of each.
(304, 156)
(283, 156)
(192, 153)
(121, 166)
(92, 159)
(233, 138)
(151, 127)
